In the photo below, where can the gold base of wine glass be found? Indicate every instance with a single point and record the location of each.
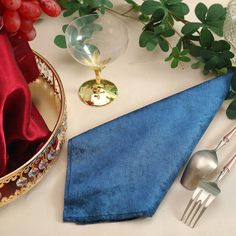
(94, 93)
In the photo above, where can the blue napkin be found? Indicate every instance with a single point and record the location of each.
(122, 170)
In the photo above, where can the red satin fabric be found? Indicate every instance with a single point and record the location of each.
(22, 129)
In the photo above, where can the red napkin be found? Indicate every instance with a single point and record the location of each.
(22, 129)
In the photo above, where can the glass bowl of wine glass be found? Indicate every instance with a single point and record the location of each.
(96, 41)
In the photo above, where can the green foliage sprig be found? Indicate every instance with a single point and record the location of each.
(198, 42)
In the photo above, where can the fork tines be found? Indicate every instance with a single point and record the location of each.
(197, 205)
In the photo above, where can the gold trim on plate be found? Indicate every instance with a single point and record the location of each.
(21, 180)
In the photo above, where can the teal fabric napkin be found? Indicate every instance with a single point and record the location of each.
(122, 170)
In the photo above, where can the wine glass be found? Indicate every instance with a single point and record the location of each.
(229, 28)
(96, 40)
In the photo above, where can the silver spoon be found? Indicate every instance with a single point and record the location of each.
(203, 163)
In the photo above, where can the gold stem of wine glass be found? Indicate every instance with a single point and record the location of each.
(98, 75)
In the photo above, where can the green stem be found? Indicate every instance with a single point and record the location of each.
(179, 18)
(181, 36)
(124, 14)
(128, 11)
(184, 22)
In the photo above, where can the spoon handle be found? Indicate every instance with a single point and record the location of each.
(230, 163)
(225, 139)
(227, 168)
(228, 136)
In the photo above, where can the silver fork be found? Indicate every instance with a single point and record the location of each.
(203, 196)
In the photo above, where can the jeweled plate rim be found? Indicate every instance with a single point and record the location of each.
(55, 129)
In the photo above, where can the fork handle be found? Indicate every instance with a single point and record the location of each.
(226, 139)
(226, 169)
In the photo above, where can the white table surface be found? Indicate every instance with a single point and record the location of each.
(142, 78)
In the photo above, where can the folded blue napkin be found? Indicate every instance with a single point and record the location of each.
(122, 170)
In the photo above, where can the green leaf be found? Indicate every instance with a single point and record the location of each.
(151, 45)
(73, 32)
(194, 50)
(192, 37)
(93, 3)
(85, 10)
(164, 30)
(89, 29)
(168, 33)
(224, 45)
(158, 14)
(222, 71)
(174, 63)
(179, 44)
(221, 45)
(231, 95)
(231, 110)
(107, 3)
(233, 82)
(227, 54)
(216, 46)
(159, 29)
(63, 3)
(184, 52)
(186, 45)
(149, 7)
(86, 20)
(163, 44)
(179, 10)
(133, 4)
(215, 19)
(173, 2)
(213, 64)
(170, 19)
(190, 28)
(69, 12)
(169, 58)
(217, 30)
(205, 72)
(196, 65)
(60, 41)
(201, 11)
(175, 52)
(185, 59)
(102, 10)
(64, 27)
(97, 27)
(216, 11)
(207, 54)
(143, 18)
(206, 38)
(91, 48)
(71, 5)
(145, 37)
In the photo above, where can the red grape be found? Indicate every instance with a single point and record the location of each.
(26, 25)
(11, 21)
(50, 7)
(30, 10)
(11, 4)
(28, 36)
(18, 16)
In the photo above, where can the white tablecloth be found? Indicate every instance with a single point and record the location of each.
(142, 78)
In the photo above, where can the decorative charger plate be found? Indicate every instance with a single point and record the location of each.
(49, 97)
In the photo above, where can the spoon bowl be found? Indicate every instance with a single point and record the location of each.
(201, 165)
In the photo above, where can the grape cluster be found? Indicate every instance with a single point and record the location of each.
(18, 16)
